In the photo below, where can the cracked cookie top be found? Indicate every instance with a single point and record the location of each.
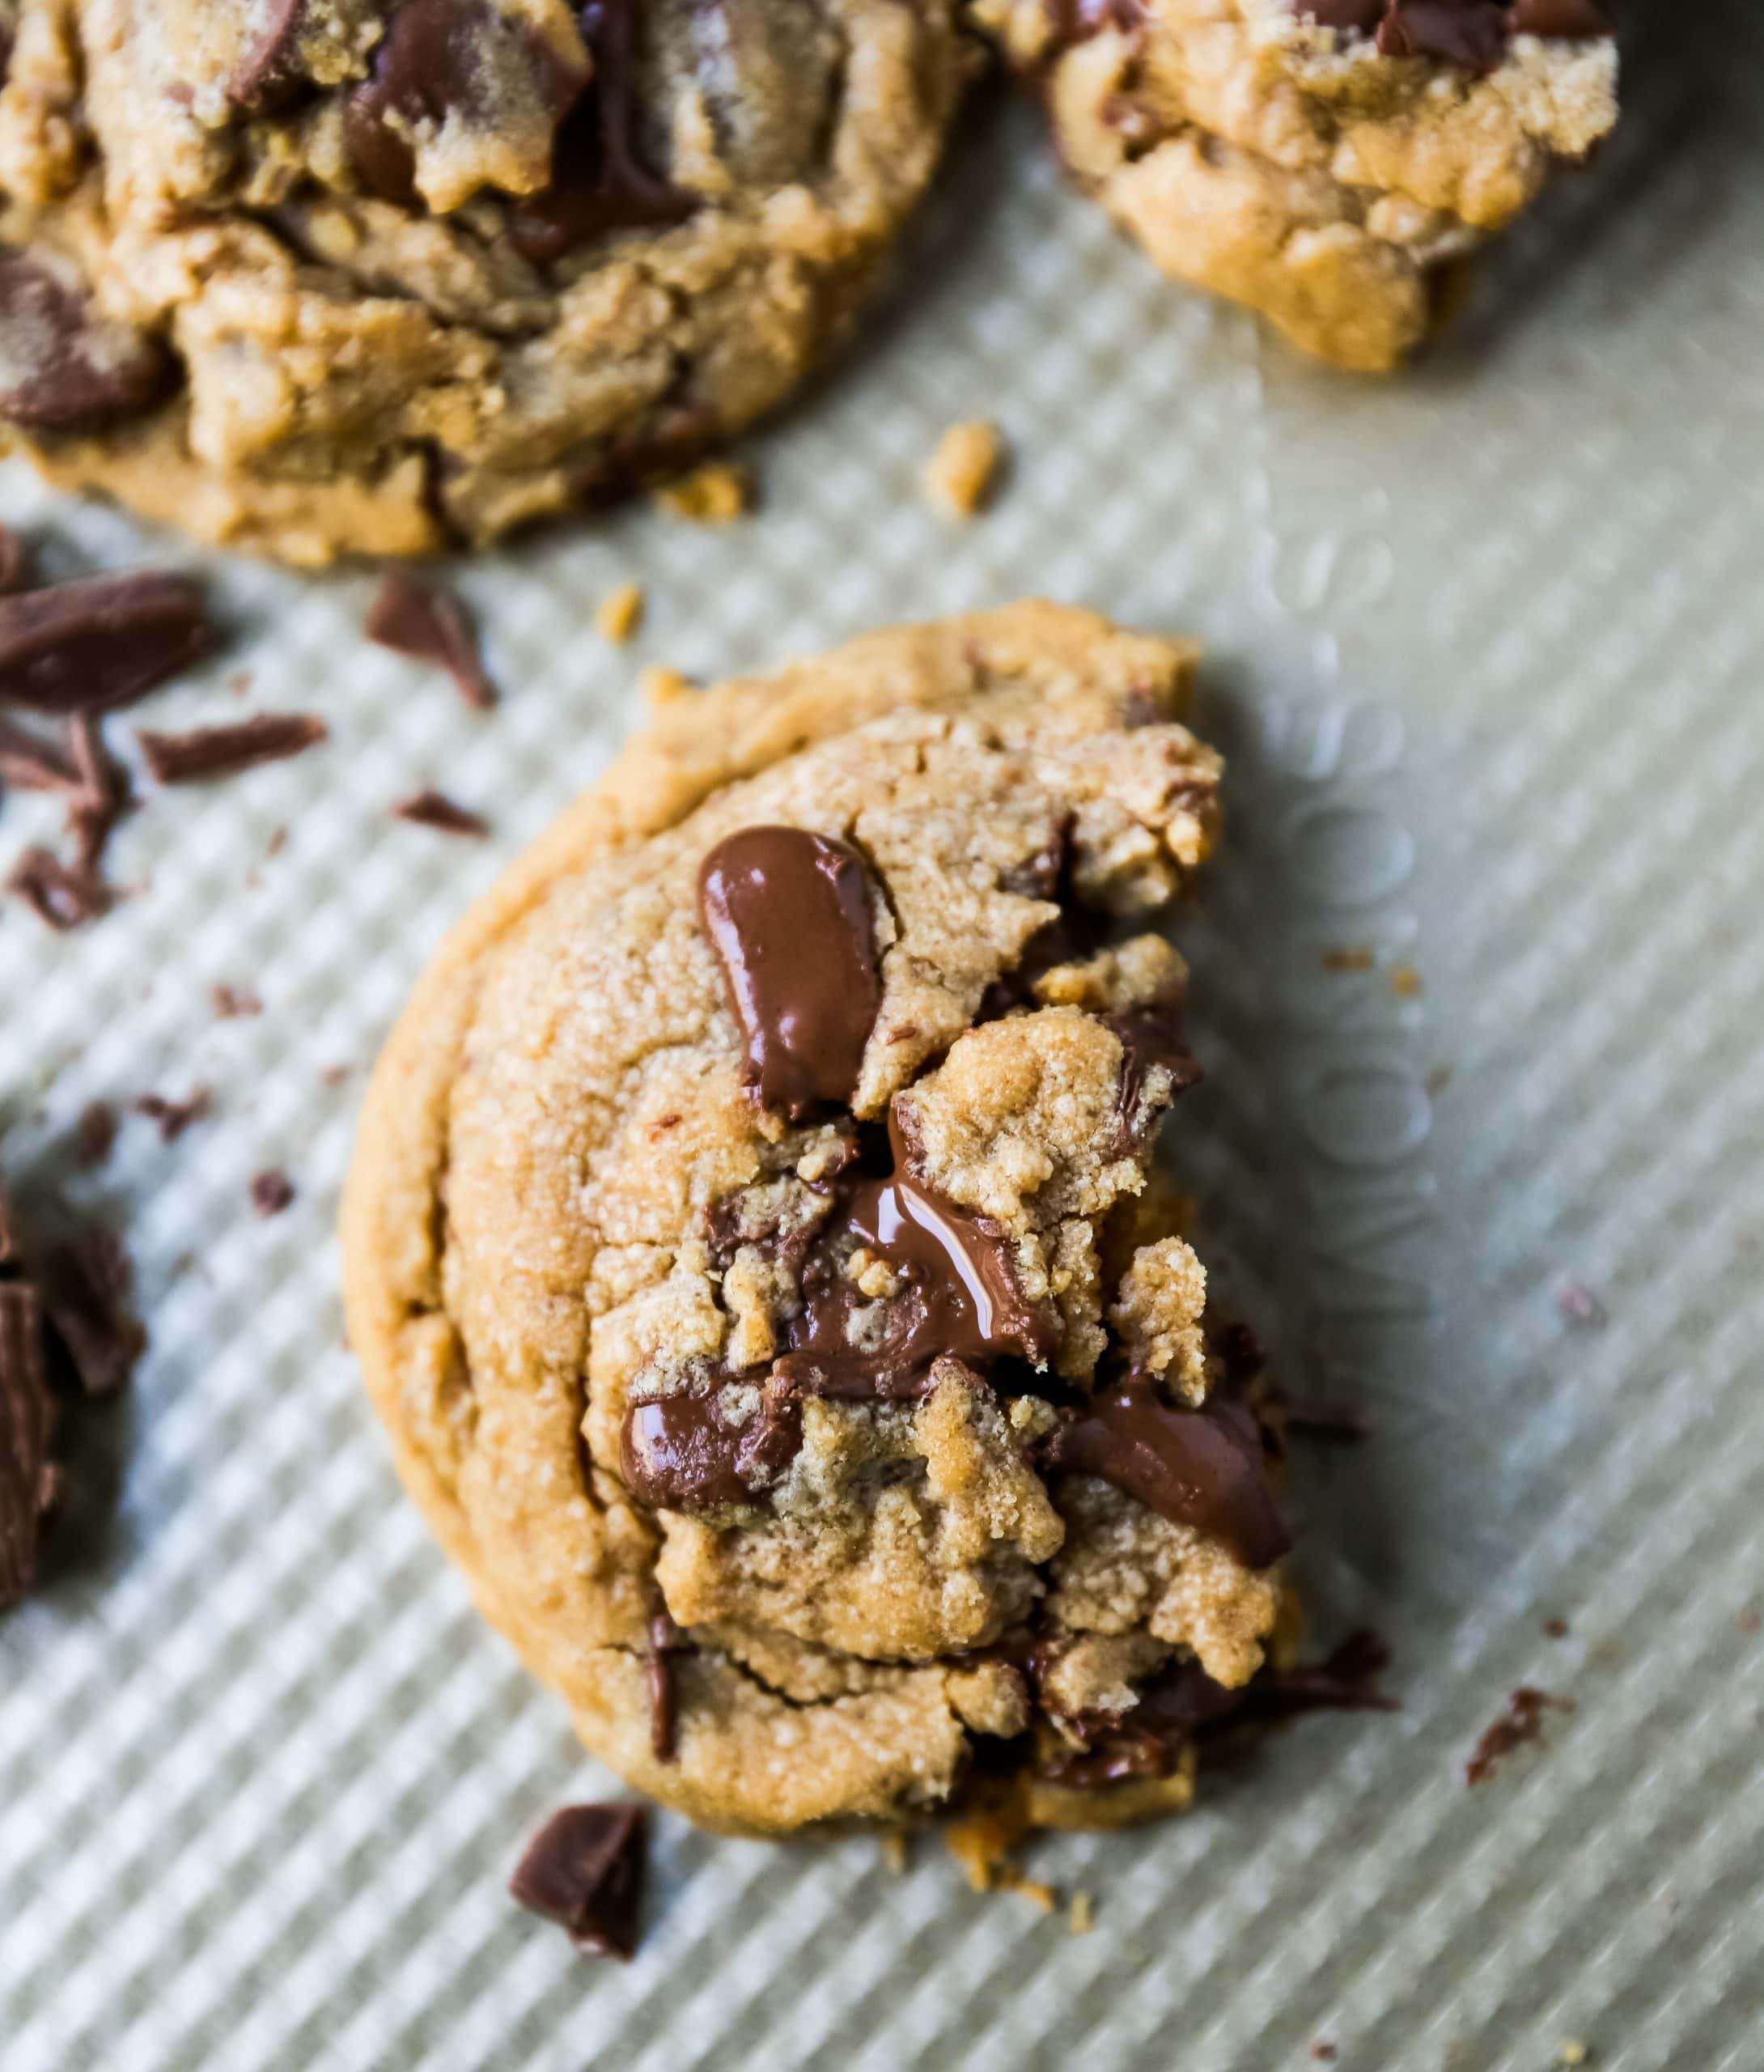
(754, 1248)
(324, 276)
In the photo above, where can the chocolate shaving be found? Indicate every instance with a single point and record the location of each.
(271, 1192)
(1520, 1724)
(95, 1134)
(100, 642)
(62, 897)
(234, 1003)
(204, 753)
(174, 1117)
(103, 796)
(435, 809)
(429, 625)
(26, 1425)
(584, 1870)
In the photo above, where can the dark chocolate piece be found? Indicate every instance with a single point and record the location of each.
(1201, 1467)
(1149, 1036)
(103, 796)
(86, 1285)
(437, 62)
(436, 809)
(1473, 33)
(32, 764)
(173, 1118)
(100, 642)
(787, 912)
(63, 366)
(12, 559)
(429, 625)
(62, 897)
(204, 753)
(584, 1870)
(1520, 1724)
(271, 1192)
(680, 1453)
(599, 179)
(26, 1425)
(95, 1134)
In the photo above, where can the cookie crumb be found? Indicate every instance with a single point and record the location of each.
(1405, 982)
(1356, 959)
(435, 809)
(620, 613)
(1555, 1629)
(894, 1851)
(1081, 1916)
(963, 473)
(660, 685)
(1572, 2052)
(717, 494)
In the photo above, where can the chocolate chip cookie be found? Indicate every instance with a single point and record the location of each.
(1329, 162)
(754, 1249)
(318, 277)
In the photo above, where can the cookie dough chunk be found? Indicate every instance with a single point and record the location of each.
(320, 277)
(1329, 163)
(749, 1244)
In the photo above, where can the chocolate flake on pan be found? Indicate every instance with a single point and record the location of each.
(206, 752)
(584, 1870)
(430, 625)
(435, 809)
(173, 1118)
(271, 1192)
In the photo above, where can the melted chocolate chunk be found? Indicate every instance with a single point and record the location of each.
(1149, 1036)
(599, 179)
(429, 625)
(26, 1425)
(101, 642)
(205, 753)
(665, 1641)
(1558, 18)
(584, 1870)
(787, 913)
(961, 1297)
(1201, 1467)
(171, 1117)
(1473, 33)
(437, 61)
(680, 1453)
(63, 366)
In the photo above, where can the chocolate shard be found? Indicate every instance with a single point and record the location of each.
(60, 896)
(27, 1425)
(584, 1870)
(86, 1285)
(1201, 1467)
(429, 625)
(206, 752)
(271, 1192)
(13, 559)
(100, 642)
(599, 179)
(173, 1118)
(63, 366)
(436, 809)
(787, 912)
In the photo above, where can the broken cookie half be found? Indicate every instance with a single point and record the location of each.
(1332, 163)
(754, 1249)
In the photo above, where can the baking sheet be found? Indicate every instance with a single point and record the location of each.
(1485, 648)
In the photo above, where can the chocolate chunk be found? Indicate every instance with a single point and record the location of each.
(270, 66)
(441, 61)
(787, 912)
(62, 897)
(429, 625)
(435, 809)
(98, 643)
(584, 1870)
(86, 1292)
(1520, 1724)
(1468, 32)
(682, 1454)
(63, 366)
(665, 1641)
(1201, 1467)
(1149, 1036)
(204, 753)
(33, 764)
(599, 179)
(173, 1118)
(961, 1298)
(26, 1423)
(95, 1134)
(271, 1192)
